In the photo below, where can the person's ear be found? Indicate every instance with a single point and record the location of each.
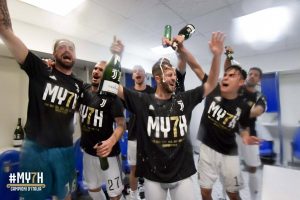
(241, 82)
(157, 79)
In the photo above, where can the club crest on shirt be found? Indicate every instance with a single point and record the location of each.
(180, 102)
(77, 88)
(102, 104)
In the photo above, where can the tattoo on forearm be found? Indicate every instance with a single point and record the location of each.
(4, 15)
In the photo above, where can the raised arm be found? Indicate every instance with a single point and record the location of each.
(117, 47)
(181, 65)
(13, 43)
(216, 45)
(184, 56)
(192, 62)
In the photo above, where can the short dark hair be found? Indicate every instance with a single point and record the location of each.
(257, 69)
(60, 40)
(159, 65)
(239, 69)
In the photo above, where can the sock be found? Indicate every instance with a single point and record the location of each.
(133, 194)
(97, 195)
(223, 192)
(253, 183)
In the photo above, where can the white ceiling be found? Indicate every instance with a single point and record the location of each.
(139, 23)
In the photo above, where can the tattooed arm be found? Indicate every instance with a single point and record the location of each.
(13, 43)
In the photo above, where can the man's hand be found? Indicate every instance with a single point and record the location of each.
(117, 47)
(104, 148)
(228, 50)
(177, 39)
(49, 62)
(5, 21)
(251, 140)
(216, 44)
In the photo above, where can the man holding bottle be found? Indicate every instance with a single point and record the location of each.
(138, 75)
(98, 113)
(165, 156)
(53, 94)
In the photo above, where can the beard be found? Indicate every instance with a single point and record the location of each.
(95, 84)
(64, 65)
(166, 88)
(250, 84)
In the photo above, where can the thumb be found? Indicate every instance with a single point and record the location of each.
(96, 145)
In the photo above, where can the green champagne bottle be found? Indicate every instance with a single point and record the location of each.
(168, 32)
(186, 32)
(18, 134)
(103, 163)
(111, 76)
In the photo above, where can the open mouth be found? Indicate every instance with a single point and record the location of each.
(67, 58)
(172, 84)
(225, 84)
(96, 78)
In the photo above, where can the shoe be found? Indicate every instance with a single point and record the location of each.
(141, 191)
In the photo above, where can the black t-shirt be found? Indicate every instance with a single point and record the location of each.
(52, 103)
(220, 120)
(253, 98)
(97, 116)
(132, 120)
(164, 150)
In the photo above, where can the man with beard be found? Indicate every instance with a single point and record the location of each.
(98, 112)
(165, 155)
(138, 75)
(257, 101)
(53, 93)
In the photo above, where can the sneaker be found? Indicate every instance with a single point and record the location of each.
(141, 192)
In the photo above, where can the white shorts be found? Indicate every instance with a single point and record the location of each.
(131, 152)
(213, 164)
(95, 176)
(183, 189)
(248, 153)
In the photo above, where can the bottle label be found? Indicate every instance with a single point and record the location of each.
(17, 143)
(110, 86)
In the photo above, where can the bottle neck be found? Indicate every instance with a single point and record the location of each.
(19, 122)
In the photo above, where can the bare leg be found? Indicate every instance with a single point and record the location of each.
(234, 195)
(206, 193)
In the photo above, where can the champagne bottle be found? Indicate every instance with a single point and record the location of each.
(111, 76)
(18, 134)
(168, 32)
(229, 53)
(186, 32)
(103, 161)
